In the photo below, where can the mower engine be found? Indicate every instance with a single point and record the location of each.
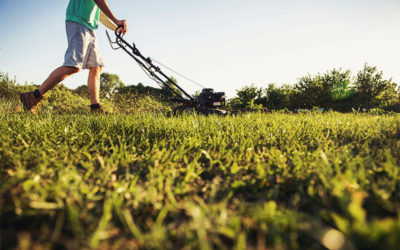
(209, 99)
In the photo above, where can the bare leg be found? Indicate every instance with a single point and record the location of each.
(56, 77)
(94, 84)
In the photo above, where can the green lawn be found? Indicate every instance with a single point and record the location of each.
(148, 181)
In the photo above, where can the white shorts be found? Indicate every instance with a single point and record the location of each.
(83, 50)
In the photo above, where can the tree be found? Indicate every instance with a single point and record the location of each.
(109, 84)
(308, 91)
(276, 97)
(167, 92)
(81, 91)
(374, 91)
(323, 90)
(246, 96)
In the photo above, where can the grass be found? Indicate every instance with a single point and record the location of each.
(149, 181)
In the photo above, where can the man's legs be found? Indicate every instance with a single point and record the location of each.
(94, 85)
(30, 100)
(56, 77)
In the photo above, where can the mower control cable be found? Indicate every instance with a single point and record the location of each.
(187, 78)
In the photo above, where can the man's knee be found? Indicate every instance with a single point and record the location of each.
(97, 69)
(73, 70)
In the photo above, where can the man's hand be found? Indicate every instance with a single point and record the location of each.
(103, 5)
(124, 25)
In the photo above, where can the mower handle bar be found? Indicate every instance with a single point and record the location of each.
(136, 55)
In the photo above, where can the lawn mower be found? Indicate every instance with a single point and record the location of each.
(207, 102)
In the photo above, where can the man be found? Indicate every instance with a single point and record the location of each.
(83, 52)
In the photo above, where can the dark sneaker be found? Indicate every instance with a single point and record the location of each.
(97, 109)
(30, 102)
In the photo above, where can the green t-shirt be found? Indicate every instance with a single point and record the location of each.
(84, 12)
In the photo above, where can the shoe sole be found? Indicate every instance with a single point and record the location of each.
(22, 98)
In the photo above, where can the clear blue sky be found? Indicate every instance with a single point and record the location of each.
(224, 44)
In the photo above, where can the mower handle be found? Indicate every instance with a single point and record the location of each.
(146, 64)
(119, 34)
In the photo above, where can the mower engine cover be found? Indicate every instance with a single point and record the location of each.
(209, 99)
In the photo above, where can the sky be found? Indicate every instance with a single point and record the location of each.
(222, 44)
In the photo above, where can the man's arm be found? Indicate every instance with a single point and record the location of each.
(103, 6)
(106, 21)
